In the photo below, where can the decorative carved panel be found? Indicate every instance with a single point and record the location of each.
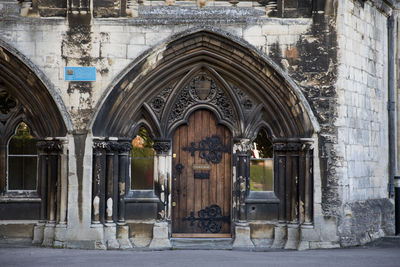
(192, 94)
(246, 102)
(202, 89)
(157, 103)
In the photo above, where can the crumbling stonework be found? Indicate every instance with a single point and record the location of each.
(365, 221)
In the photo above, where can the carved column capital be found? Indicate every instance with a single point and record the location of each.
(241, 145)
(124, 146)
(299, 145)
(49, 146)
(162, 146)
(307, 147)
(112, 147)
(287, 146)
(99, 146)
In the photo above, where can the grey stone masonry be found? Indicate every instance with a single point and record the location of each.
(334, 53)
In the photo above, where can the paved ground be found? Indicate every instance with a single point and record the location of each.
(385, 252)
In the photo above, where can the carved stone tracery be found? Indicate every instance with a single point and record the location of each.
(49, 146)
(157, 103)
(10, 110)
(246, 102)
(191, 95)
(162, 147)
(201, 89)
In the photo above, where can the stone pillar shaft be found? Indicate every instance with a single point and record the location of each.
(62, 184)
(123, 178)
(241, 150)
(162, 175)
(111, 181)
(99, 172)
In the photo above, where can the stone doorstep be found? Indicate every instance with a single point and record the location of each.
(201, 243)
(17, 243)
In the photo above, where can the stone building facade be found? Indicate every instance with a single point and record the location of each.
(203, 78)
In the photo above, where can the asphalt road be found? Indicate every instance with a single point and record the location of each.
(383, 254)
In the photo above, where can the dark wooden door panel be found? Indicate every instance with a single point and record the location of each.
(202, 180)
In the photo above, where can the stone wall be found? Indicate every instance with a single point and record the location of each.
(111, 45)
(362, 124)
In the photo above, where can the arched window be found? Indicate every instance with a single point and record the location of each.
(261, 163)
(142, 161)
(22, 160)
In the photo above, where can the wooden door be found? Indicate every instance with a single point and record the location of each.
(202, 177)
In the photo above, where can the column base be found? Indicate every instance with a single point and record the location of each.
(38, 233)
(293, 236)
(280, 235)
(160, 236)
(48, 234)
(123, 237)
(242, 237)
(60, 233)
(110, 236)
(307, 234)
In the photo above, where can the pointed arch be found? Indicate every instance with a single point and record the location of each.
(42, 106)
(239, 67)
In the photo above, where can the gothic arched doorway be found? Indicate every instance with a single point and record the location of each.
(240, 90)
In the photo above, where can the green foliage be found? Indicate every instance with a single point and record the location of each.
(261, 175)
(142, 161)
(148, 142)
(22, 142)
(142, 173)
(147, 149)
(145, 152)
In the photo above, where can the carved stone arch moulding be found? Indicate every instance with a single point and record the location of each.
(237, 80)
(12, 113)
(20, 78)
(145, 118)
(201, 90)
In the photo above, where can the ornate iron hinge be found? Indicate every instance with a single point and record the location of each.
(210, 149)
(210, 219)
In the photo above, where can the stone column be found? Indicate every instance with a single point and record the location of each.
(292, 149)
(61, 226)
(99, 174)
(49, 150)
(124, 149)
(307, 232)
(241, 151)
(280, 230)
(38, 230)
(110, 230)
(162, 182)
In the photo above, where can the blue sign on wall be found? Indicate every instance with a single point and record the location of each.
(86, 74)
